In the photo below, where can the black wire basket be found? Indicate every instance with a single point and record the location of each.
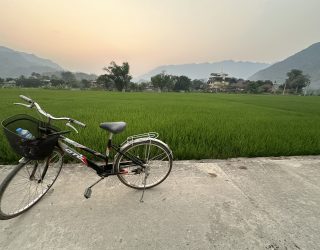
(45, 137)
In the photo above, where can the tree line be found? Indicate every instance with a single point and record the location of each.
(64, 79)
(117, 77)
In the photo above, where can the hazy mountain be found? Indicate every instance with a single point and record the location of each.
(307, 60)
(203, 70)
(78, 75)
(14, 63)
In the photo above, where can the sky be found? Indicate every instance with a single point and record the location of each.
(86, 35)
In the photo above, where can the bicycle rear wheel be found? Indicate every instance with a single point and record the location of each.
(27, 183)
(156, 158)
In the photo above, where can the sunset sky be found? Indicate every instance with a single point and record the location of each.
(83, 35)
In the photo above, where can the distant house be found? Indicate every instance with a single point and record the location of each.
(12, 82)
(221, 82)
(218, 82)
(94, 84)
(9, 84)
(148, 87)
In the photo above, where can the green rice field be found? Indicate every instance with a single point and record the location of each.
(194, 125)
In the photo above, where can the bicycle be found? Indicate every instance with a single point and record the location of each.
(141, 161)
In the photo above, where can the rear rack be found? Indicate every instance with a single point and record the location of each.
(149, 135)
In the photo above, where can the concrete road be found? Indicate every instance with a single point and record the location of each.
(260, 203)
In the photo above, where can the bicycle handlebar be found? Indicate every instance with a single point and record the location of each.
(78, 123)
(27, 99)
(41, 111)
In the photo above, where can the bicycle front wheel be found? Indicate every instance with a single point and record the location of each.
(27, 183)
(157, 161)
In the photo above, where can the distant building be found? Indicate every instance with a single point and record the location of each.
(94, 84)
(148, 87)
(9, 84)
(12, 82)
(221, 82)
(218, 82)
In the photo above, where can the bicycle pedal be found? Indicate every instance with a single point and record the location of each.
(87, 193)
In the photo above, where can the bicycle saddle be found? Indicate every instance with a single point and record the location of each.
(113, 127)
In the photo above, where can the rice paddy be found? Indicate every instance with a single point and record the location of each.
(194, 125)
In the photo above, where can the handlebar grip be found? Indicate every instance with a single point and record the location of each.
(27, 99)
(79, 123)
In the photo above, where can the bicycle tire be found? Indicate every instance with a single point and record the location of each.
(130, 176)
(21, 175)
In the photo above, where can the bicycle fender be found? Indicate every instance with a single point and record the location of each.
(145, 139)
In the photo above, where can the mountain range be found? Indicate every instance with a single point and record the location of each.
(15, 64)
(203, 70)
(307, 60)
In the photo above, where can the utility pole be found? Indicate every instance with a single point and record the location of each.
(307, 88)
(284, 89)
(274, 86)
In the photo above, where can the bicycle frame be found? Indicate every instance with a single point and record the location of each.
(127, 160)
(100, 169)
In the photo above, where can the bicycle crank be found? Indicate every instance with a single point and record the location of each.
(88, 191)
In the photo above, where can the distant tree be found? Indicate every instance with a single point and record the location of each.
(105, 81)
(68, 77)
(53, 76)
(240, 85)
(252, 87)
(266, 86)
(182, 83)
(1, 80)
(44, 77)
(143, 86)
(118, 75)
(75, 85)
(162, 81)
(197, 84)
(36, 75)
(171, 82)
(56, 82)
(85, 84)
(28, 82)
(233, 80)
(133, 87)
(296, 81)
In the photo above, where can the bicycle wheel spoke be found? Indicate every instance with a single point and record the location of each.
(24, 197)
(20, 183)
(11, 192)
(23, 175)
(26, 170)
(158, 157)
(157, 165)
(22, 192)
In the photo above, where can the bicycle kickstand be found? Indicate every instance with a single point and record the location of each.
(146, 174)
(88, 191)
